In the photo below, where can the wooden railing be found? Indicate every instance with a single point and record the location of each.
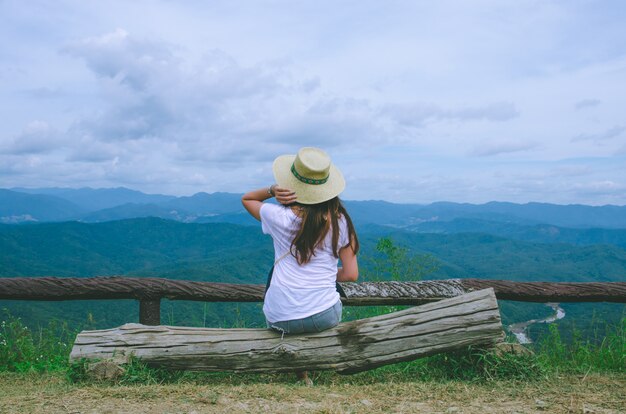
(150, 291)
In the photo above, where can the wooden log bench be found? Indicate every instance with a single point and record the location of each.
(447, 325)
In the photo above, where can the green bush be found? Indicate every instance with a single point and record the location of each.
(21, 350)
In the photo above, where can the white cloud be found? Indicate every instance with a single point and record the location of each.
(599, 137)
(489, 148)
(152, 92)
(202, 96)
(418, 115)
(36, 138)
(587, 103)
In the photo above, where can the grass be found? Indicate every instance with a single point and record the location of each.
(578, 377)
(580, 356)
(45, 393)
(47, 349)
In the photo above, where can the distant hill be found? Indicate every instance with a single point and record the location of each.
(122, 203)
(573, 215)
(542, 233)
(93, 199)
(124, 246)
(81, 249)
(382, 212)
(132, 210)
(242, 218)
(487, 256)
(109, 204)
(207, 204)
(16, 207)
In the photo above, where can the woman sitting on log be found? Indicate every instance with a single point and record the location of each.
(311, 230)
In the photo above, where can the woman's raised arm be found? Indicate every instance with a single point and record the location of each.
(253, 200)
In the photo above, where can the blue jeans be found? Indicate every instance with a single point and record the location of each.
(315, 323)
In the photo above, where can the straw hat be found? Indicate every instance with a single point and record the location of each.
(310, 174)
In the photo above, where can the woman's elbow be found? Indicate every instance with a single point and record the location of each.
(350, 270)
(351, 276)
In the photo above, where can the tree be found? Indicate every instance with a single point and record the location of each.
(391, 262)
(398, 263)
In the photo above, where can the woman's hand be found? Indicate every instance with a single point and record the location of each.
(284, 195)
(253, 200)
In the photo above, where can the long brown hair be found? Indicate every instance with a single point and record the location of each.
(315, 225)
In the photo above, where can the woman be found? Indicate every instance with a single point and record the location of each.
(311, 230)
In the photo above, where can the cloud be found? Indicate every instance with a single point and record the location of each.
(600, 188)
(587, 103)
(215, 110)
(213, 107)
(569, 171)
(195, 98)
(86, 149)
(131, 62)
(152, 92)
(601, 136)
(43, 93)
(36, 138)
(417, 115)
(135, 78)
(490, 148)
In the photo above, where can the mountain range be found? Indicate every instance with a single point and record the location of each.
(19, 205)
(92, 232)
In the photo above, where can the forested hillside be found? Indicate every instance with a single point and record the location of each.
(242, 254)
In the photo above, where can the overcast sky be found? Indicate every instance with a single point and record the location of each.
(415, 101)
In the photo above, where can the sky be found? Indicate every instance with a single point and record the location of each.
(415, 101)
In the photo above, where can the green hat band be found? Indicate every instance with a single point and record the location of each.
(305, 179)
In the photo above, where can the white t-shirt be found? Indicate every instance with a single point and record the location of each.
(298, 291)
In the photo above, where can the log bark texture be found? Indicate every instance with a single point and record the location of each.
(359, 294)
(443, 326)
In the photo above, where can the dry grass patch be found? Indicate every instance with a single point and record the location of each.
(37, 393)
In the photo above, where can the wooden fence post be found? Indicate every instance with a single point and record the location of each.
(150, 311)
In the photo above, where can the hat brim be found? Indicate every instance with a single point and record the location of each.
(307, 193)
